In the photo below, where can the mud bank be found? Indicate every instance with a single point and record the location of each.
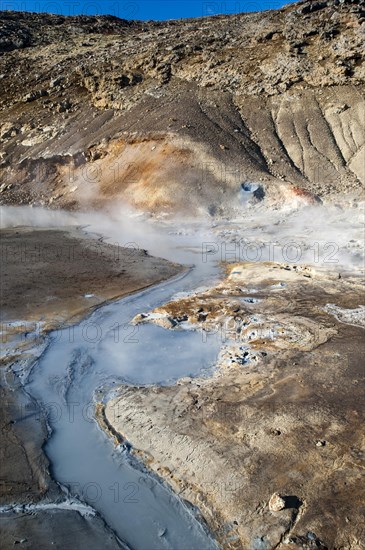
(56, 529)
(281, 414)
(50, 276)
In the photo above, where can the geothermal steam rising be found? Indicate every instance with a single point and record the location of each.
(323, 235)
(122, 226)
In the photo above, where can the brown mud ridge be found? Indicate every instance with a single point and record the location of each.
(175, 116)
(51, 278)
(281, 414)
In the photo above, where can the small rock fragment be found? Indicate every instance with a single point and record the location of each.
(276, 503)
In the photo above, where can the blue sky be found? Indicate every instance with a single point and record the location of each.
(142, 9)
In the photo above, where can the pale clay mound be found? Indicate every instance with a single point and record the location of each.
(350, 316)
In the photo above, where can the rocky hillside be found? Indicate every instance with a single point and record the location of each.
(178, 114)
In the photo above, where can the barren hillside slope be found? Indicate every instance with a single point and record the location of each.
(177, 115)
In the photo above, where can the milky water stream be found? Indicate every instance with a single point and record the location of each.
(79, 366)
